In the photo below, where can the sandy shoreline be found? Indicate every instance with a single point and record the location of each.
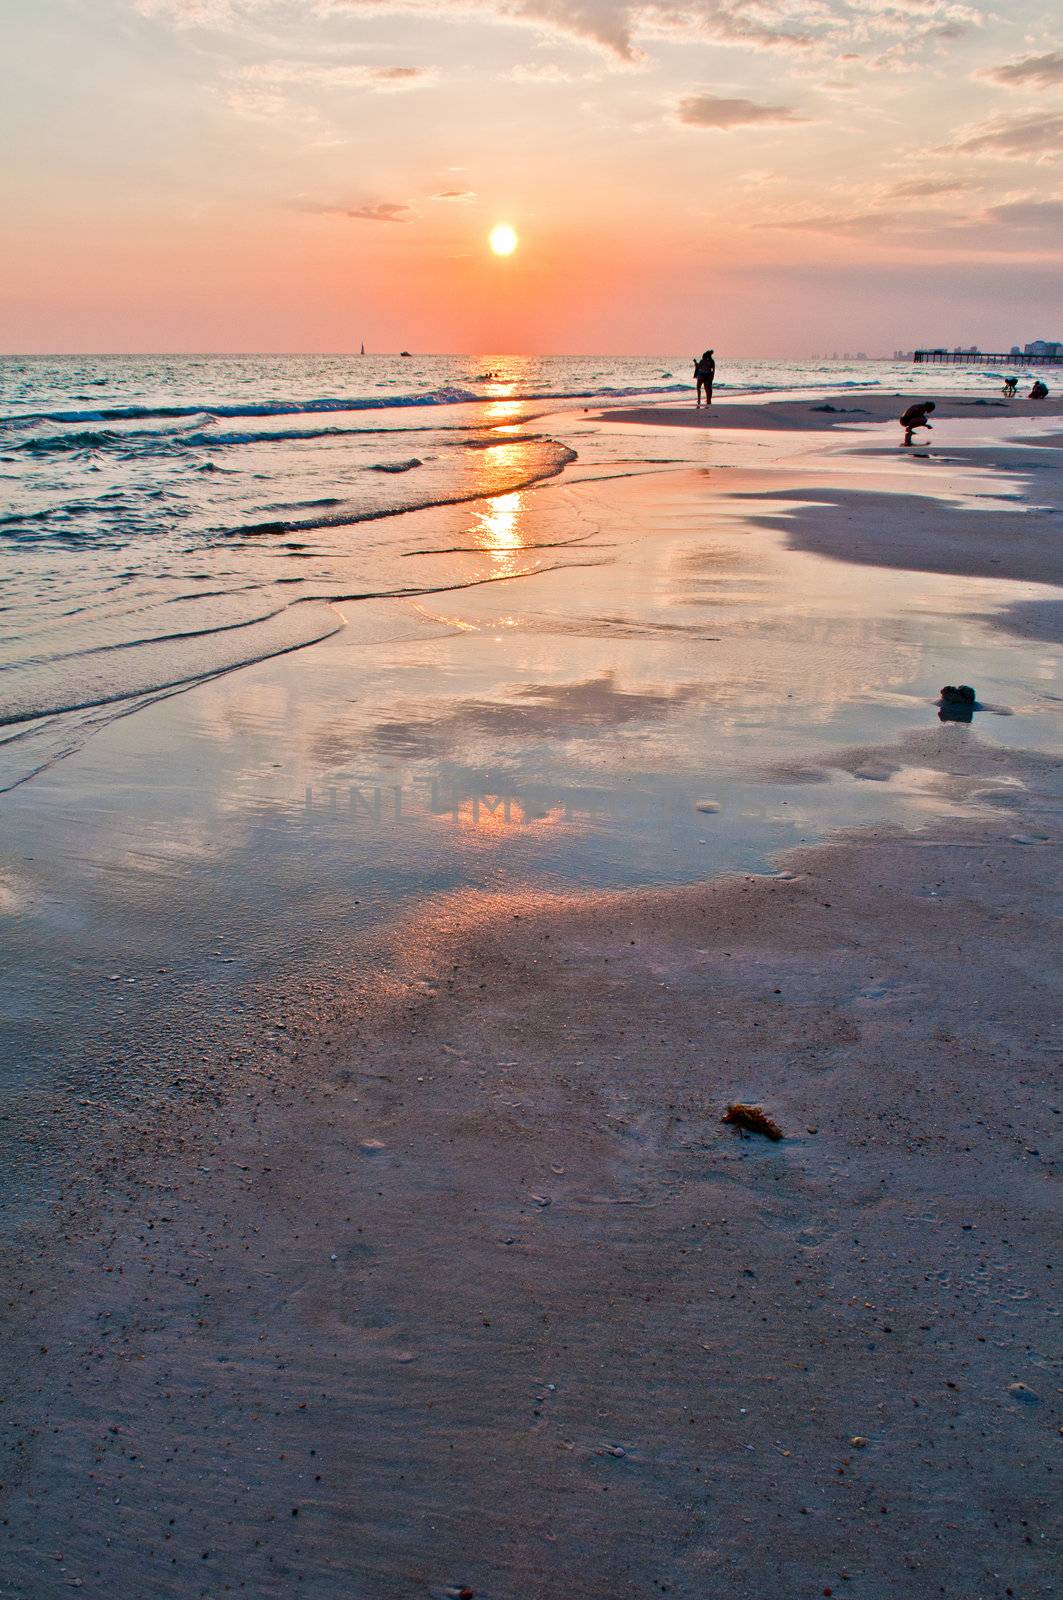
(837, 411)
(895, 527)
(453, 1279)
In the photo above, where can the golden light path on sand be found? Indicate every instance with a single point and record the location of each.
(499, 530)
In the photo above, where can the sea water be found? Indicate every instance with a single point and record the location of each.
(292, 645)
(164, 519)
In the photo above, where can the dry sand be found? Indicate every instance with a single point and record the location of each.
(455, 1282)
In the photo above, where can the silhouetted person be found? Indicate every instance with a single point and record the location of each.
(1039, 390)
(1010, 386)
(915, 417)
(705, 375)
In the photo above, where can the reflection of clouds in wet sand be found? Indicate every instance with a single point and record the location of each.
(536, 711)
(949, 766)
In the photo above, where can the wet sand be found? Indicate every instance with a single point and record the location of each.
(449, 1277)
(840, 410)
(889, 524)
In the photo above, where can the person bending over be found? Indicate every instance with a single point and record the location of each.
(1010, 386)
(1039, 390)
(915, 417)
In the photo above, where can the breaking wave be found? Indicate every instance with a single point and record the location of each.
(294, 408)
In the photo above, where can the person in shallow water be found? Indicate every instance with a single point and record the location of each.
(1039, 390)
(1010, 386)
(915, 417)
(705, 375)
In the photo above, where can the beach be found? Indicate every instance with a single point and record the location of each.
(375, 1008)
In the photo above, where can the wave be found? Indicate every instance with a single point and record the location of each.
(207, 438)
(351, 514)
(20, 721)
(209, 632)
(139, 441)
(292, 408)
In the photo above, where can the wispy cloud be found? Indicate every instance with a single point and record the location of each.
(337, 75)
(721, 112)
(369, 211)
(192, 13)
(313, 94)
(455, 196)
(926, 188)
(620, 28)
(1031, 135)
(1032, 213)
(851, 222)
(1029, 72)
(548, 72)
(991, 227)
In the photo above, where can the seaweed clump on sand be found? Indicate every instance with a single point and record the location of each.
(752, 1119)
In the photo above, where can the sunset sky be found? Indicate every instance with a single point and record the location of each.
(802, 175)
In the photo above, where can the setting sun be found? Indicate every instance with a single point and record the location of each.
(503, 239)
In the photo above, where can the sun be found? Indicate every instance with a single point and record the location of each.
(503, 239)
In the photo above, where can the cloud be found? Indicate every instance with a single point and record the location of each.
(851, 222)
(1013, 138)
(381, 211)
(1028, 213)
(1033, 72)
(618, 28)
(263, 105)
(990, 228)
(303, 92)
(370, 211)
(715, 111)
(456, 196)
(926, 188)
(337, 75)
(189, 13)
(547, 72)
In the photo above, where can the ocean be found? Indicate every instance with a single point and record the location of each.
(491, 637)
(165, 519)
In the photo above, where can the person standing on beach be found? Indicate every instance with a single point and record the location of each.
(705, 375)
(915, 417)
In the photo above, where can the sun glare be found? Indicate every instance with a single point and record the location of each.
(503, 239)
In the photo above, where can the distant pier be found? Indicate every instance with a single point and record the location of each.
(966, 358)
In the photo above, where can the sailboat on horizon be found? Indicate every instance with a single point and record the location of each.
(362, 350)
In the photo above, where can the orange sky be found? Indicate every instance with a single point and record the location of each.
(299, 174)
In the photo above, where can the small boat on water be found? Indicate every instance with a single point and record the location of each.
(404, 352)
(362, 350)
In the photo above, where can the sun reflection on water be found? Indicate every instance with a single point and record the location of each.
(498, 530)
